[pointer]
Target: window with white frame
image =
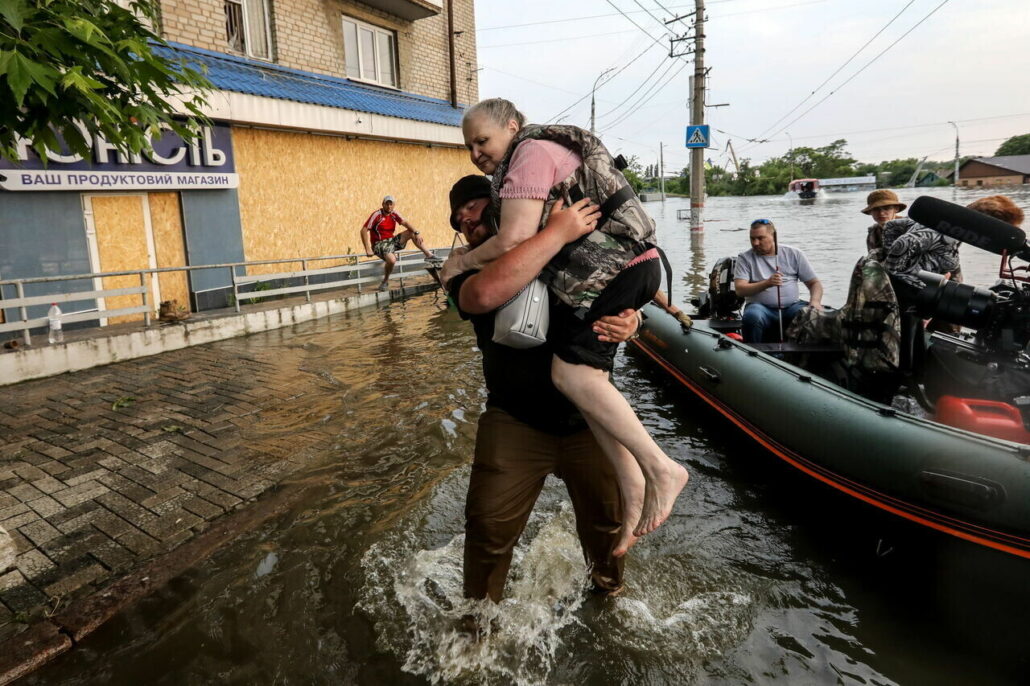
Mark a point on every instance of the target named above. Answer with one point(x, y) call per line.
point(370, 52)
point(246, 28)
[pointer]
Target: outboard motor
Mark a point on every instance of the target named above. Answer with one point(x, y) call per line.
point(720, 301)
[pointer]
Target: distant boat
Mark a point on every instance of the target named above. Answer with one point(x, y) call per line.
point(805, 189)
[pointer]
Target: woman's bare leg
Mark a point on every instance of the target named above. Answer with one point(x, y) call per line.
point(631, 485)
point(593, 394)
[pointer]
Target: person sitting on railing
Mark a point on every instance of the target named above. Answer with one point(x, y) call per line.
point(380, 226)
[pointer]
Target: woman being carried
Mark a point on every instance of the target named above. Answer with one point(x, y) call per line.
point(613, 268)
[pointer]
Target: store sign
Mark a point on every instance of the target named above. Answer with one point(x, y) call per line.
point(172, 164)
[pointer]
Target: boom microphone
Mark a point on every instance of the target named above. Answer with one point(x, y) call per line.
point(969, 226)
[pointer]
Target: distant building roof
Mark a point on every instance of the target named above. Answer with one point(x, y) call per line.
point(848, 180)
point(1017, 163)
point(254, 77)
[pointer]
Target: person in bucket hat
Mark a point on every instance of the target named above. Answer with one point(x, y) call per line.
point(883, 206)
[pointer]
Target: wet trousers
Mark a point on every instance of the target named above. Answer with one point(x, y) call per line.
point(511, 463)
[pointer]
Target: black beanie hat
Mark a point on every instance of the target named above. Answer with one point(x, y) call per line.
point(471, 187)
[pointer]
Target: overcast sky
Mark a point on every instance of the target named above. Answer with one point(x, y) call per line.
point(969, 62)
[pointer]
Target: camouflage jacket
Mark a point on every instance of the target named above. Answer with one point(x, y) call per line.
point(579, 273)
point(870, 321)
point(874, 238)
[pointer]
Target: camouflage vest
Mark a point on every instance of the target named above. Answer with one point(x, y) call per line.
point(579, 273)
point(870, 321)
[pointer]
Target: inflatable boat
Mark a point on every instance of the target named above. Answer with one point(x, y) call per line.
point(959, 482)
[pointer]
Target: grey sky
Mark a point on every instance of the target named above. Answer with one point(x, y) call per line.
point(969, 62)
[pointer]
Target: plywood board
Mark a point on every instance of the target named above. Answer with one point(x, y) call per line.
point(166, 219)
point(303, 195)
point(122, 245)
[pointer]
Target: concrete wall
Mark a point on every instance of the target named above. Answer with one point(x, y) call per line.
point(308, 35)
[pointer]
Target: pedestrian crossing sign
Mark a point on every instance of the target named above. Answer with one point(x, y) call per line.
point(698, 136)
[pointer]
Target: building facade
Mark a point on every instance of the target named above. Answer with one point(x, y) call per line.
point(321, 108)
point(1006, 170)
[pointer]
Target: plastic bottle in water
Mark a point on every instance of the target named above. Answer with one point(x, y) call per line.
point(54, 317)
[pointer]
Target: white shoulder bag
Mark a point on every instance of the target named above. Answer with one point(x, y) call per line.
point(522, 321)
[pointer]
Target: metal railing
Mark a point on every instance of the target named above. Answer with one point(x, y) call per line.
point(409, 262)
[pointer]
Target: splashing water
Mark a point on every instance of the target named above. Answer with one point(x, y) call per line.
point(519, 639)
point(413, 596)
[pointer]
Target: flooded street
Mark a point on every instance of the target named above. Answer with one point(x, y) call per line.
point(759, 576)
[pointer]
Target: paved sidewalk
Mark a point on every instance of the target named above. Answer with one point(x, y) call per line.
point(105, 469)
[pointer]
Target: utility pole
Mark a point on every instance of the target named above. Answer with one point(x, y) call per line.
point(955, 178)
point(733, 156)
point(697, 117)
point(661, 167)
point(790, 153)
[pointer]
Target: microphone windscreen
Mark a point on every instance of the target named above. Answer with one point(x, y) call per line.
point(969, 226)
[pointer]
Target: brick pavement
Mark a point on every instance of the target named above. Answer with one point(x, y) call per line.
point(104, 469)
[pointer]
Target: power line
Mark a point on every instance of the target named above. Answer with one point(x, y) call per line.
point(624, 67)
point(641, 101)
point(631, 109)
point(593, 16)
point(671, 14)
point(630, 19)
point(768, 9)
point(564, 39)
point(644, 81)
point(651, 14)
point(877, 130)
point(838, 70)
point(535, 83)
point(864, 67)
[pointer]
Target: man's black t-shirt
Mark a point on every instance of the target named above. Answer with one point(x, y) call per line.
point(519, 381)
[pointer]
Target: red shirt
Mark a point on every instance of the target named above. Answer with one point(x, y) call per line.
point(382, 226)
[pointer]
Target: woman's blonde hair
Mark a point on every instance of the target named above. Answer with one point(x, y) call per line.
point(499, 110)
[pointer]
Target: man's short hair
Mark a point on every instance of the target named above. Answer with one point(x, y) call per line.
point(764, 223)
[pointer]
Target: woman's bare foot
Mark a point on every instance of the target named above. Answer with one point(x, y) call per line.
point(660, 493)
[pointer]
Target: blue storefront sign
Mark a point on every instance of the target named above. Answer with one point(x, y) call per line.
point(172, 164)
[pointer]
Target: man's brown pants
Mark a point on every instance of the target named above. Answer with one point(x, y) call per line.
point(511, 463)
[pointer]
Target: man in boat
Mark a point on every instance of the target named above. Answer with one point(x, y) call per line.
point(377, 234)
point(529, 429)
point(767, 277)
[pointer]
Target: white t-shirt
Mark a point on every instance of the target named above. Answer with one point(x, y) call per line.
point(793, 264)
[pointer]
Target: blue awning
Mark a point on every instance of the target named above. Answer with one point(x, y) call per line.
point(254, 77)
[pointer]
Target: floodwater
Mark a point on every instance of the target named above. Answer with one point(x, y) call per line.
point(760, 576)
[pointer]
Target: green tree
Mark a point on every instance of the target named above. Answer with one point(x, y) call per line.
point(632, 173)
point(89, 62)
point(1017, 145)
